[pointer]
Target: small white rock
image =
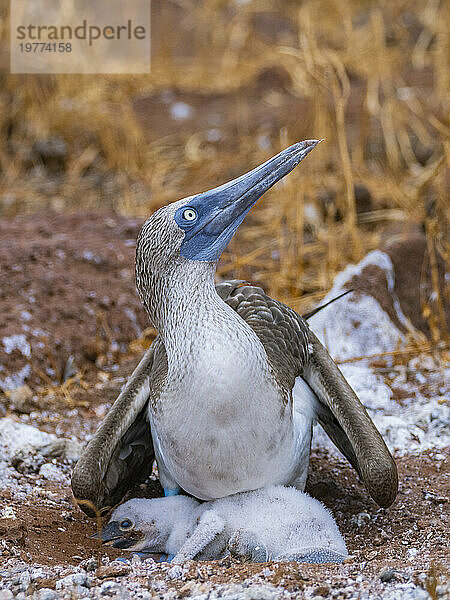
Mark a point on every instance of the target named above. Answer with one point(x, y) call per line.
point(175, 572)
point(361, 519)
point(72, 580)
point(8, 513)
point(181, 111)
point(24, 580)
point(45, 594)
point(52, 473)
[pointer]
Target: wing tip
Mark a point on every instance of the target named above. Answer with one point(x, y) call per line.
point(382, 482)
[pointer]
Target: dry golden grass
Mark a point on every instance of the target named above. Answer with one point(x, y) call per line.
point(373, 81)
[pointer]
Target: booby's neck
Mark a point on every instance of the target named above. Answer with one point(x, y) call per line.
point(201, 333)
point(180, 301)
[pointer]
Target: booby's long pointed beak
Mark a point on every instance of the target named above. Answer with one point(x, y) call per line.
point(215, 215)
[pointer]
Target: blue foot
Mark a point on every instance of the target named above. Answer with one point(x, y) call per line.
point(143, 555)
point(162, 558)
point(174, 492)
point(166, 558)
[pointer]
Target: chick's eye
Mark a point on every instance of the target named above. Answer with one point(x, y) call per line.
point(189, 214)
point(126, 524)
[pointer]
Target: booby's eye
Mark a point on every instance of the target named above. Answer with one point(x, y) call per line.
point(126, 524)
point(189, 214)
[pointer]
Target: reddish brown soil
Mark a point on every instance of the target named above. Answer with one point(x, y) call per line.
point(67, 284)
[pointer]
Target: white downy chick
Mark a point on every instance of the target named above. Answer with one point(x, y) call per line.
point(275, 523)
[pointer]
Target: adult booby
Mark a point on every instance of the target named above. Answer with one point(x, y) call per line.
point(226, 396)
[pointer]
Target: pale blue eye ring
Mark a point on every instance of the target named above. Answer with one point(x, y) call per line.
point(189, 214)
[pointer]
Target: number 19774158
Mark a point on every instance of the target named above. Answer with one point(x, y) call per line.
point(45, 47)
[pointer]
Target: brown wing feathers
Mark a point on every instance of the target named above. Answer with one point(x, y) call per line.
point(294, 350)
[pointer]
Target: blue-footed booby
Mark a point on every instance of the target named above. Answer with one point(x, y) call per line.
point(226, 396)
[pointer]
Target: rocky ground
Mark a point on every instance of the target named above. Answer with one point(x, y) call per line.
point(72, 329)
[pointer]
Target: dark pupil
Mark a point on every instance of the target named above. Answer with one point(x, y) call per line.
point(126, 523)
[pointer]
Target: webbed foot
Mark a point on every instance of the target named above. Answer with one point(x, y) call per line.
point(315, 556)
point(166, 558)
point(244, 546)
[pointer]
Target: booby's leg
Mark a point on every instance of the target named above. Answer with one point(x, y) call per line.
point(166, 558)
point(170, 486)
point(173, 490)
point(245, 546)
point(209, 527)
point(314, 556)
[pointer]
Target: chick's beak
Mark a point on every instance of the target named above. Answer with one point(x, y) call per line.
point(111, 535)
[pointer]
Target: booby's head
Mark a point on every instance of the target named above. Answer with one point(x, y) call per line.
point(200, 227)
point(145, 524)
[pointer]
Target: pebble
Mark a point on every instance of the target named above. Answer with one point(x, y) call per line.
point(75, 579)
point(322, 590)
point(175, 572)
point(90, 564)
point(111, 588)
point(266, 572)
point(24, 581)
point(443, 590)
point(45, 594)
point(6, 595)
point(52, 473)
point(361, 519)
point(256, 593)
point(21, 399)
point(8, 513)
point(180, 111)
point(388, 575)
point(406, 591)
point(78, 591)
point(112, 570)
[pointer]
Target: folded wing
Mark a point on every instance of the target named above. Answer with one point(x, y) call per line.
point(293, 350)
point(120, 454)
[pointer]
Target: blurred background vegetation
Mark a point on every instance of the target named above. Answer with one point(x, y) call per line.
point(232, 83)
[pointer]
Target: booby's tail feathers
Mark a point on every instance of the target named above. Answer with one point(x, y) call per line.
point(314, 311)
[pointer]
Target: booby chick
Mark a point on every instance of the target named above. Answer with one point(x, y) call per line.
point(226, 396)
point(277, 523)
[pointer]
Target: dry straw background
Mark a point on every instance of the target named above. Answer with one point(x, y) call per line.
point(372, 78)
